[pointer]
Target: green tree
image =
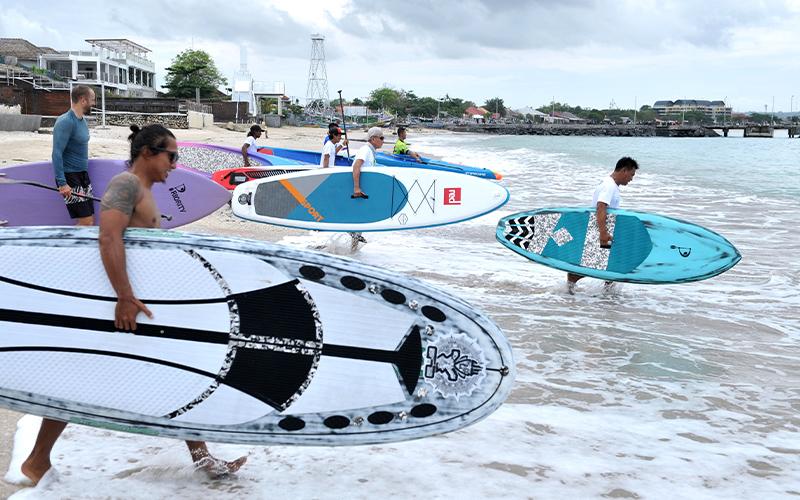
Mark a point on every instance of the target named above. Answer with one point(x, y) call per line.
point(646, 114)
point(193, 69)
point(454, 106)
point(295, 108)
point(358, 102)
point(697, 117)
point(425, 106)
point(385, 98)
point(594, 115)
point(761, 117)
point(495, 105)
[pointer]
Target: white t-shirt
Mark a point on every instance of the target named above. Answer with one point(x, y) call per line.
point(251, 145)
point(328, 149)
point(608, 193)
point(366, 153)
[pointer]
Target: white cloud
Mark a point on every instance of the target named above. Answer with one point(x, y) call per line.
point(582, 51)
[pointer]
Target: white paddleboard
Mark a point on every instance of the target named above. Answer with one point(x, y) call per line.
point(250, 342)
point(399, 198)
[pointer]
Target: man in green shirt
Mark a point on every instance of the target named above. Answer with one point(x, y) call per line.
point(400, 146)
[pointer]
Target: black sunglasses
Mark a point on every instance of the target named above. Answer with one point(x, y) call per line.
point(173, 155)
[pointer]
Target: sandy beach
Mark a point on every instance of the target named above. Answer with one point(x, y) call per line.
point(111, 142)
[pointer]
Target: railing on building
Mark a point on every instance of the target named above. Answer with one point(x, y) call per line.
point(37, 77)
point(139, 60)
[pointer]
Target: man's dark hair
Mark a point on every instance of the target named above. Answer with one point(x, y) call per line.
point(254, 129)
point(401, 129)
point(79, 91)
point(626, 163)
point(333, 125)
point(152, 137)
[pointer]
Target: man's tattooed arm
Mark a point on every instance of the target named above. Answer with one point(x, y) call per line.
point(122, 194)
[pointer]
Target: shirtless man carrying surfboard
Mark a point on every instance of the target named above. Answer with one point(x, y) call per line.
point(128, 202)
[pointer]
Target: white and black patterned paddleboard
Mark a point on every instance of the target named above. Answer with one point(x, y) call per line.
point(249, 343)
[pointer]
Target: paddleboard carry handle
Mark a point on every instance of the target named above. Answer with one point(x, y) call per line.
point(361, 195)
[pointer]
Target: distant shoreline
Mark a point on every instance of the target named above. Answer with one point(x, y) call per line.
point(590, 130)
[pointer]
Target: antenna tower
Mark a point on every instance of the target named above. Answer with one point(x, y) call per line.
point(317, 100)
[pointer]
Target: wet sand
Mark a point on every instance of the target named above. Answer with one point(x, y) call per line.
point(8, 425)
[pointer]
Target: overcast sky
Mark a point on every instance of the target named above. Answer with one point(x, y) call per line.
point(581, 52)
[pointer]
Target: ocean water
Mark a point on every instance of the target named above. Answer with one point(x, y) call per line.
point(671, 391)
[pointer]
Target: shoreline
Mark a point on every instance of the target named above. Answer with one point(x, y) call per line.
point(586, 130)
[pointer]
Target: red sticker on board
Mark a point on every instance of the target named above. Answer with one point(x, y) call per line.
point(452, 196)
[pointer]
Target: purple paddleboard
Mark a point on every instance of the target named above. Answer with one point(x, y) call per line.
point(186, 195)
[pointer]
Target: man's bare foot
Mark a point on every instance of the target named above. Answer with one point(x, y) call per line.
point(572, 279)
point(219, 469)
point(356, 238)
point(35, 471)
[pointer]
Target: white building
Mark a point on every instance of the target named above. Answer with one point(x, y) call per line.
point(245, 89)
point(709, 108)
point(537, 115)
point(118, 64)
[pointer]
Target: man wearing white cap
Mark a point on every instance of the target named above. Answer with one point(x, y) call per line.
point(366, 158)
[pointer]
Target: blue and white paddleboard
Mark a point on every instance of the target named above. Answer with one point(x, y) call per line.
point(250, 342)
point(399, 198)
point(387, 159)
point(393, 160)
point(646, 248)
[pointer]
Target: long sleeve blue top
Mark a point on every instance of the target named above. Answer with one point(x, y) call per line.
point(70, 146)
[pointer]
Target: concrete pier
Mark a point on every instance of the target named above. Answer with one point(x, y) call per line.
point(585, 130)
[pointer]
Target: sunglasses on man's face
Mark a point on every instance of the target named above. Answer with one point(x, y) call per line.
point(173, 155)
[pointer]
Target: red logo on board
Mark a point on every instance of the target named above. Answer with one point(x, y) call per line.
point(452, 196)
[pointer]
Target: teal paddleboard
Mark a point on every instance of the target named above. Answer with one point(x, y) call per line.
point(647, 248)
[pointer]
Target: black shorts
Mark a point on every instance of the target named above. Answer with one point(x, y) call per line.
point(79, 206)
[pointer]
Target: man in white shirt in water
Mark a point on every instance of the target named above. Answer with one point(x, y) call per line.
point(365, 157)
point(607, 195)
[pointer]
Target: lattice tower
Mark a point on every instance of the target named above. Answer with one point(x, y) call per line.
point(317, 99)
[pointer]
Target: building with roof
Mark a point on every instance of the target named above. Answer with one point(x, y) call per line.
point(20, 52)
point(568, 117)
point(117, 64)
point(709, 108)
point(536, 116)
point(475, 113)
